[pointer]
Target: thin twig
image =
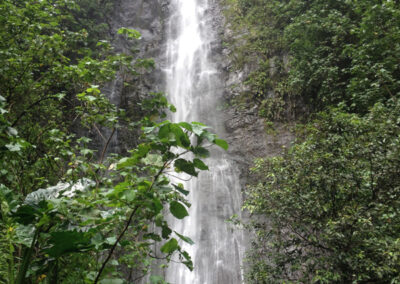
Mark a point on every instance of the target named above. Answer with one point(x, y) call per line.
point(106, 146)
point(29, 107)
point(116, 243)
point(126, 226)
point(98, 130)
point(162, 258)
point(182, 179)
point(137, 278)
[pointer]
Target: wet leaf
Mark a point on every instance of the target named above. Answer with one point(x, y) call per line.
point(178, 210)
point(185, 166)
point(185, 239)
point(221, 143)
point(170, 246)
point(200, 164)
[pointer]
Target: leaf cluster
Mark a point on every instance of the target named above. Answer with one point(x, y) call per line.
point(330, 205)
point(327, 209)
point(72, 211)
point(310, 55)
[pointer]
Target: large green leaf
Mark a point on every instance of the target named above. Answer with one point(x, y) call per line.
point(171, 132)
point(185, 125)
point(201, 152)
point(127, 162)
point(164, 132)
point(200, 164)
point(184, 238)
point(178, 210)
point(67, 242)
point(170, 246)
point(221, 143)
point(185, 166)
point(157, 205)
point(24, 234)
point(181, 137)
point(153, 159)
point(198, 128)
point(26, 214)
point(165, 231)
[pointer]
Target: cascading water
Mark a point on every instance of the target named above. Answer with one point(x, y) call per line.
point(194, 87)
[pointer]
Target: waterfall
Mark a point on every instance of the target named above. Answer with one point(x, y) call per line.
point(194, 86)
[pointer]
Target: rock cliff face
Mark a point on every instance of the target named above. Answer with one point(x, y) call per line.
point(247, 133)
point(244, 130)
point(147, 17)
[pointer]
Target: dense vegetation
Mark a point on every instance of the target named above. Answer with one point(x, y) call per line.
point(332, 203)
point(70, 213)
point(328, 209)
point(315, 54)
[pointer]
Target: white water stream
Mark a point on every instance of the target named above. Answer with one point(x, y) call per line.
point(194, 87)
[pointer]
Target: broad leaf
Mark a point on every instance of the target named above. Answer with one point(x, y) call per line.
point(170, 246)
point(184, 238)
point(68, 241)
point(201, 152)
point(221, 143)
point(185, 166)
point(26, 214)
point(178, 210)
point(165, 231)
point(200, 164)
point(185, 125)
point(180, 188)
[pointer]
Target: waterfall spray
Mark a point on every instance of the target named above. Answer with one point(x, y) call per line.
point(194, 87)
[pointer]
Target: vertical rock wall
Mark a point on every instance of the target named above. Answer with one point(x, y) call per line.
point(246, 132)
point(250, 136)
point(147, 17)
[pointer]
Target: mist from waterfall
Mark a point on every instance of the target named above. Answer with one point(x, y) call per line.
point(194, 86)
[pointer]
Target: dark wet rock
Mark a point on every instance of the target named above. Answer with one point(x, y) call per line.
point(147, 17)
point(246, 132)
point(248, 135)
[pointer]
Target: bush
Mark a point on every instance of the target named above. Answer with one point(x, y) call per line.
point(330, 207)
point(338, 52)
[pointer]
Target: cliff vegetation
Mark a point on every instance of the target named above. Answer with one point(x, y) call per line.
point(71, 212)
point(327, 210)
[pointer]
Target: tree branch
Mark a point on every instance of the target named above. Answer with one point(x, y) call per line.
point(126, 226)
point(31, 106)
point(106, 146)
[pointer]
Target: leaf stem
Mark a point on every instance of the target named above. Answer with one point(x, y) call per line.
point(26, 259)
point(126, 227)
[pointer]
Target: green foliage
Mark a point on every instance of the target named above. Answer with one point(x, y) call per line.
point(129, 33)
point(69, 212)
point(331, 202)
point(346, 52)
point(44, 65)
point(95, 216)
point(316, 54)
point(178, 210)
point(330, 205)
